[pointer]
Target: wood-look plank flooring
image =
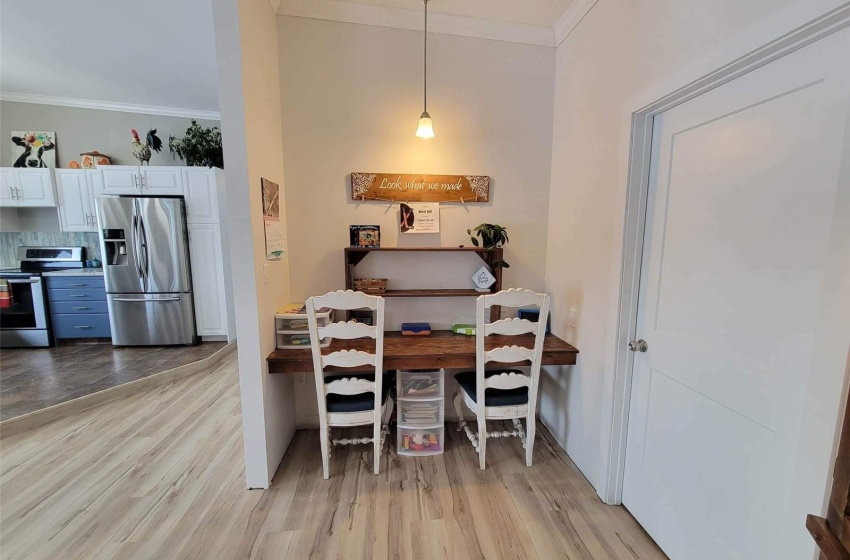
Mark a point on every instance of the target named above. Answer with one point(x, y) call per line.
point(160, 475)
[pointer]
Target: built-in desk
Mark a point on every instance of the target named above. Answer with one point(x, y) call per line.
point(442, 349)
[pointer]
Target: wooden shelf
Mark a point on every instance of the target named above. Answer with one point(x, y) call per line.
point(354, 255)
point(432, 293)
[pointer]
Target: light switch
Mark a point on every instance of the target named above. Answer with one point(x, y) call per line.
point(266, 271)
point(573, 317)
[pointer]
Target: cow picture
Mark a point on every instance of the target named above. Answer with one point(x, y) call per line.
point(33, 149)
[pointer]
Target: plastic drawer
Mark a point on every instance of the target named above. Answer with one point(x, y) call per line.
point(419, 384)
point(414, 413)
point(420, 441)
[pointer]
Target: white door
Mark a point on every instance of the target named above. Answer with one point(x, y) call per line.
point(201, 196)
point(734, 405)
point(162, 181)
point(35, 187)
point(120, 179)
point(207, 279)
point(76, 211)
point(8, 195)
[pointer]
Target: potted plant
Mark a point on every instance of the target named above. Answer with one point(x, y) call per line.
point(492, 236)
point(199, 147)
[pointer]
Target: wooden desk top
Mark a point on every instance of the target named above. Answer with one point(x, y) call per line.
point(441, 349)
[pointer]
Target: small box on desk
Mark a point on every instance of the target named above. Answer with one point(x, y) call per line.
point(533, 315)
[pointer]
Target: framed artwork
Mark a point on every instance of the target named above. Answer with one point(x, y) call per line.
point(33, 149)
point(365, 236)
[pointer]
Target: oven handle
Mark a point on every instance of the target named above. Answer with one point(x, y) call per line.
point(21, 281)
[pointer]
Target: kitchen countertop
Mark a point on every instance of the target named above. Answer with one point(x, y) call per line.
point(75, 272)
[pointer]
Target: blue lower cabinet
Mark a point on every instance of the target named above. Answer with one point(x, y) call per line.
point(78, 307)
point(81, 326)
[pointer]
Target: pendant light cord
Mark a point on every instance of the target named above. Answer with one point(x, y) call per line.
point(425, 64)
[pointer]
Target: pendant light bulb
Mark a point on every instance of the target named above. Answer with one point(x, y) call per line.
point(425, 128)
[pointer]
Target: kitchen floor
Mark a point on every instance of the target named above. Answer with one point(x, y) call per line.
point(35, 378)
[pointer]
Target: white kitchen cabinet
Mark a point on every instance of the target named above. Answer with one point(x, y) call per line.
point(7, 197)
point(121, 179)
point(201, 197)
point(162, 181)
point(27, 187)
point(77, 189)
point(207, 279)
point(148, 180)
point(209, 253)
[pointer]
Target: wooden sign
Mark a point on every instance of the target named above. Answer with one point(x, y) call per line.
point(420, 188)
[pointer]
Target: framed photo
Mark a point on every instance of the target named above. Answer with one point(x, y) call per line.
point(365, 236)
point(33, 149)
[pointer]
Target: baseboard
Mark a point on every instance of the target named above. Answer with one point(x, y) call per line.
point(14, 426)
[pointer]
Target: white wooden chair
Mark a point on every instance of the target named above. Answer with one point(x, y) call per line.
point(503, 394)
point(355, 399)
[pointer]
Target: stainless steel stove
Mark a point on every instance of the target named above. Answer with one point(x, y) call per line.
point(24, 318)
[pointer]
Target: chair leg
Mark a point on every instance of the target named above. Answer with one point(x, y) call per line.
point(324, 437)
point(482, 441)
point(376, 444)
point(530, 428)
point(458, 401)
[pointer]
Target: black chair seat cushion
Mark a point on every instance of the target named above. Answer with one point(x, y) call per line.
point(493, 397)
point(360, 401)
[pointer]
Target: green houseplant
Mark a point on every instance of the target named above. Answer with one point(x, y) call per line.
point(199, 147)
point(492, 236)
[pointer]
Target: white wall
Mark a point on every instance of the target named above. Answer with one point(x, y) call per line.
point(625, 53)
point(249, 98)
point(82, 130)
point(352, 96)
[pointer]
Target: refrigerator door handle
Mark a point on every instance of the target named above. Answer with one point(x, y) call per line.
point(171, 298)
point(144, 258)
point(135, 241)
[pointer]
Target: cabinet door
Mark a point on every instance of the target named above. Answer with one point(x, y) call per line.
point(76, 211)
point(35, 187)
point(201, 196)
point(208, 279)
point(162, 181)
point(8, 197)
point(120, 179)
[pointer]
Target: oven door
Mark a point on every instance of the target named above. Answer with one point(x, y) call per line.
point(25, 309)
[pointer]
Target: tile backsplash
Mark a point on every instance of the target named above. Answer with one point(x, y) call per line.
point(11, 240)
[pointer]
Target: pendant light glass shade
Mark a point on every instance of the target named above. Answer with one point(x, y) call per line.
point(425, 129)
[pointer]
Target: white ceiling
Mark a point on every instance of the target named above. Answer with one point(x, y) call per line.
point(530, 12)
point(153, 52)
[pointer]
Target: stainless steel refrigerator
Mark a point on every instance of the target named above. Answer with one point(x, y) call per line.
point(145, 253)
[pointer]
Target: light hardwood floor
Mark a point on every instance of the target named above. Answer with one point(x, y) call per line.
point(160, 475)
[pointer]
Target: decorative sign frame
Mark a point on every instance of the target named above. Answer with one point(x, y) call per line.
point(420, 188)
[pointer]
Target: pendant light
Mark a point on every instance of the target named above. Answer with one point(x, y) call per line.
point(425, 129)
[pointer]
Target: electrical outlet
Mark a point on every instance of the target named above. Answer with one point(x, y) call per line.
point(266, 271)
point(299, 378)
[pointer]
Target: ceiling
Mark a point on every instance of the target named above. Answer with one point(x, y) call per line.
point(154, 53)
point(530, 12)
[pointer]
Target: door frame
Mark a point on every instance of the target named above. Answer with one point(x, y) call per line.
point(624, 323)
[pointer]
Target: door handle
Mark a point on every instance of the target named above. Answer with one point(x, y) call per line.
point(79, 308)
point(77, 285)
point(82, 326)
point(77, 295)
point(638, 345)
point(172, 298)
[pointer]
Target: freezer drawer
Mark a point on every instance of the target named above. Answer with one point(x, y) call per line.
point(151, 319)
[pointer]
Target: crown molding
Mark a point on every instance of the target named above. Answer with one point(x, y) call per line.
point(403, 18)
point(109, 106)
point(571, 18)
